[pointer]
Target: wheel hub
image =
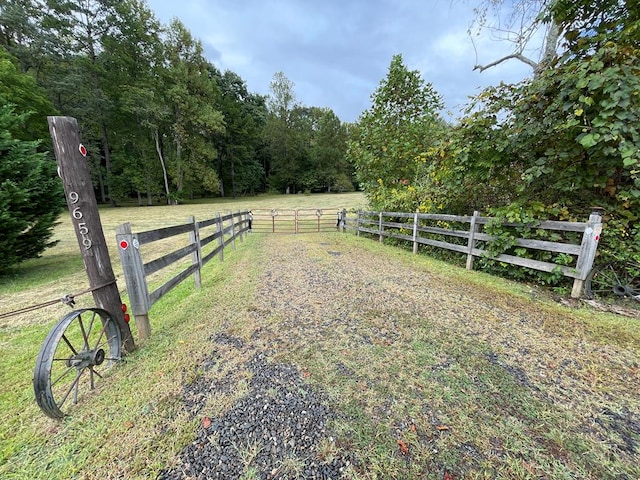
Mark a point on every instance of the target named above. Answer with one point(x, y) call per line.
point(98, 357)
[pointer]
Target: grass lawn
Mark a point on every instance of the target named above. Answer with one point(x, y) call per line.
point(435, 372)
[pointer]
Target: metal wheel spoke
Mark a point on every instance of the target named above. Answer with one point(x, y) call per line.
point(93, 317)
point(85, 338)
point(61, 376)
point(102, 332)
point(73, 385)
point(64, 337)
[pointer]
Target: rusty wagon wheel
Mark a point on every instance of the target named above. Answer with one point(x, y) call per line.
point(76, 352)
point(614, 281)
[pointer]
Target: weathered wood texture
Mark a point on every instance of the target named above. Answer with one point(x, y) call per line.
point(83, 208)
point(224, 228)
point(420, 230)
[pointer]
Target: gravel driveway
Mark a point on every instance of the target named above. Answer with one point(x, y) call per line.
point(321, 302)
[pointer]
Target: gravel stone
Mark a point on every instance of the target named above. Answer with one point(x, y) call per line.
point(281, 418)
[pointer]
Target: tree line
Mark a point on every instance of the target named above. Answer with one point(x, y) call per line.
point(161, 121)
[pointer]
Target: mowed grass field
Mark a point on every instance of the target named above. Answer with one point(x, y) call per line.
point(435, 372)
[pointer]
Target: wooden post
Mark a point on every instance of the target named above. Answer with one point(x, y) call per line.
point(587, 253)
point(358, 223)
point(196, 256)
point(380, 227)
point(133, 269)
point(76, 180)
point(233, 230)
point(220, 237)
point(471, 244)
point(415, 233)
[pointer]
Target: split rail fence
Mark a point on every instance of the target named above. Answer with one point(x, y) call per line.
point(444, 231)
point(221, 231)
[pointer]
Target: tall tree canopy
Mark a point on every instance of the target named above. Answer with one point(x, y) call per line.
point(390, 137)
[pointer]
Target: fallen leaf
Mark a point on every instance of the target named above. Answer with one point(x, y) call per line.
point(442, 428)
point(529, 468)
point(413, 428)
point(404, 448)
point(128, 424)
point(206, 422)
point(448, 476)
point(306, 373)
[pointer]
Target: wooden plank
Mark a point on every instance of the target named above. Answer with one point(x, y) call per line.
point(446, 245)
point(168, 259)
point(211, 254)
point(529, 263)
point(207, 223)
point(408, 226)
point(159, 292)
point(445, 218)
point(557, 247)
point(545, 225)
point(445, 231)
point(209, 239)
point(160, 233)
point(397, 214)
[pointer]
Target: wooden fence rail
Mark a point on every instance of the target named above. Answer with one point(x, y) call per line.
point(222, 229)
point(435, 230)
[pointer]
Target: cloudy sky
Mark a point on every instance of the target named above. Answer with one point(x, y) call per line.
point(336, 52)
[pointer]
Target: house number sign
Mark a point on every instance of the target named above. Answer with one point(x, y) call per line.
point(77, 214)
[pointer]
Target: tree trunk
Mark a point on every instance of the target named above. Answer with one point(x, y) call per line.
point(156, 138)
point(550, 47)
point(233, 178)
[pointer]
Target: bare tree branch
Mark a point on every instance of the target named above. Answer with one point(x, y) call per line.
point(517, 56)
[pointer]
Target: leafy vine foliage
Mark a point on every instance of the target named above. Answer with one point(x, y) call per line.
point(550, 147)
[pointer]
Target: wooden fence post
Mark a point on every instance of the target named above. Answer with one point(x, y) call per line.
point(133, 268)
point(220, 226)
point(233, 230)
point(415, 233)
point(78, 187)
point(471, 244)
point(380, 227)
point(587, 253)
point(358, 223)
point(196, 256)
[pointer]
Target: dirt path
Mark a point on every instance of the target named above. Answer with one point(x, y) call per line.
point(432, 374)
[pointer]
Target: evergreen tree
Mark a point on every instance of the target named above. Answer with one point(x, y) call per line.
point(30, 194)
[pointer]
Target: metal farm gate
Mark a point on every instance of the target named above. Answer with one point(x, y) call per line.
point(303, 220)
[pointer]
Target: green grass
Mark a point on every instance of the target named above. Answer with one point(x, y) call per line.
point(445, 381)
